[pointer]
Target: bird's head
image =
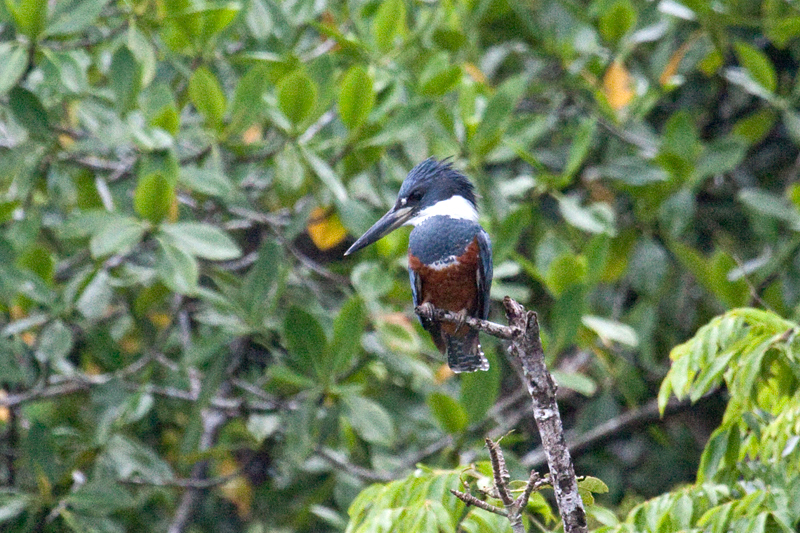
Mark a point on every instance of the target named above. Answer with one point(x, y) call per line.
point(432, 188)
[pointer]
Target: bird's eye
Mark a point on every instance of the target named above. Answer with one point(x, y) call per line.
point(415, 197)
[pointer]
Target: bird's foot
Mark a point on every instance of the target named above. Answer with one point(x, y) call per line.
point(426, 310)
point(462, 319)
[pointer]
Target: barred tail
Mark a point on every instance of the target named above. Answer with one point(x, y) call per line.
point(464, 353)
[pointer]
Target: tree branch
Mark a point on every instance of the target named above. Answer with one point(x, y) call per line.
point(523, 332)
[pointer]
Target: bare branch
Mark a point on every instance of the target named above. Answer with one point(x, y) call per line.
point(469, 499)
point(526, 344)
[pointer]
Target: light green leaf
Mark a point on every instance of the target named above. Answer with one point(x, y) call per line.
point(202, 240)
point(356, 97)
point(153, 197)
point(117, 235)
point(177, 268)
point(597, 218)
point(74, 17)
point(55, 342)
point(13, 503)
point(13, 61)
point(262, 426)
point(448, 412)
point(30, 16)
point(758, 65)
point(369, 420)
point(611, 330)
point(389, 24)
point(96, 297)
point(297, 96)
point(207, 96)
point(617, 21)
point(576, 381)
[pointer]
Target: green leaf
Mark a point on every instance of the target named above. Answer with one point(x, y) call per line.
point(96, 297)
point(153, 197)
point(125, 77)
point(356, 97)
point(593, 484)
point(611, 330)
point(617, 21)
point(389, 24)
point(13, 504)
point(29, 112)
point(207, 96)
point(369, 420)
point(13, 62)
point(597, 218)
point(30, 16)
point(297, 96)
point(248, 99)
point(54, 343)
point(176, 268)
point(439, 76)
point(259, 289)
point(325, 173)
point(261, 426)
point(565, 271)
point(580, 383)
point(771, 206)
point(448, 412)
point(348, 327)
point(581, 144)
point(479, 390)
point(305, 339)
point(202, 240)
point(100, 497)
point(117, 235)
point(758, 65)
point(74, 17)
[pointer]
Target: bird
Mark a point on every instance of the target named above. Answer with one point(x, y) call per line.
point(449, 255)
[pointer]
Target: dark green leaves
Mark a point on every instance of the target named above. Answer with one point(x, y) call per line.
point(126, 78)
point(29, 112)
point(305, 338)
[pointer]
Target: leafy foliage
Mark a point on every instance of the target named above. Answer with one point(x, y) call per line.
point(179, 179)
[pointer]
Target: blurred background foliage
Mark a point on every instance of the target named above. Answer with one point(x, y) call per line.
point(184, 348)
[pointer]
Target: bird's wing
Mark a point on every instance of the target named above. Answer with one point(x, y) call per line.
point(484, 273)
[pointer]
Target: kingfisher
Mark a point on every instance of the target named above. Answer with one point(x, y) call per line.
point(449, 255)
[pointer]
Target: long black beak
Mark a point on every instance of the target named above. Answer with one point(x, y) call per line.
point(392, 220)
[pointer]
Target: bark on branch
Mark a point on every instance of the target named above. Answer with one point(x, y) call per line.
point(523, 332)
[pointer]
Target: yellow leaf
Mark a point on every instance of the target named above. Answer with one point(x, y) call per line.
point(325, 229)
point(617, 86)
point(252, 134)
point(174, 211)
point(5, 413)
point(674, 62)
point(238, 490)
point(474, 72)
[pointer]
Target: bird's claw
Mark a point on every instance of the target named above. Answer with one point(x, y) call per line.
point(462, 319)
point(426, 310)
